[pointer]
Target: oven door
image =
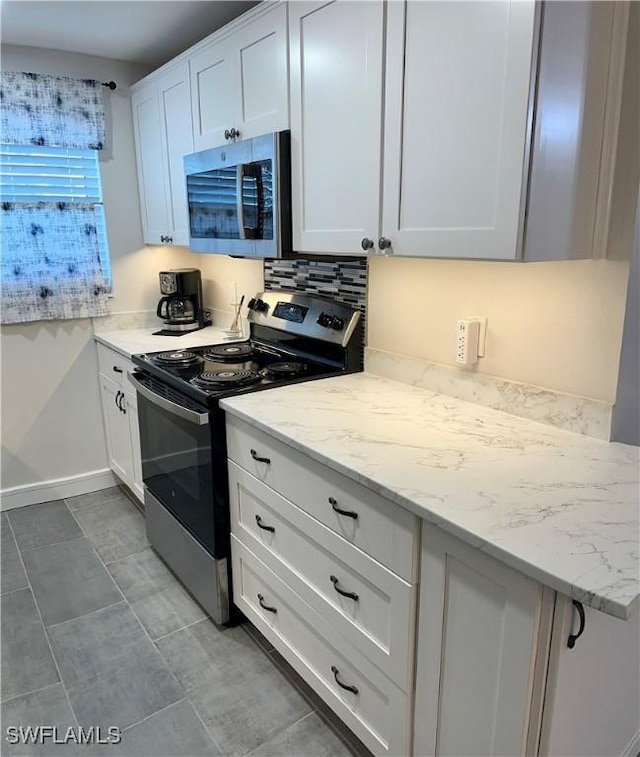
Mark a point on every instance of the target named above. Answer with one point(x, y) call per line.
point(177, 461)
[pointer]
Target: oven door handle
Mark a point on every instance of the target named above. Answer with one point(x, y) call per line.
point(200, 419)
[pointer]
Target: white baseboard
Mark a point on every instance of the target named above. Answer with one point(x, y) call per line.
point(58, 488)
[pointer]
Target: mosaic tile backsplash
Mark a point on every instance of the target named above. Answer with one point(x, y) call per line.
point(342, 281)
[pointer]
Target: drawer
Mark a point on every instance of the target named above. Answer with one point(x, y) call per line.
point(379, 713)
point(114, 365)
point(383, 530)
point(378, 617)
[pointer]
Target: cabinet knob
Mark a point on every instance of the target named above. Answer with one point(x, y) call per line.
point(366, 243)
point(384, 243)
point(235, 133)
point(166, 239)
point(227, 134)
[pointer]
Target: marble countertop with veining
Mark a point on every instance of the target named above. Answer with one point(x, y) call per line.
point(559, 507)
point(130, 342)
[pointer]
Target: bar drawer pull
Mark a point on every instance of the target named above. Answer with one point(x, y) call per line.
point(350, 594)
point(348, 513)
point(116, 369)
point(263, 527)
point(266, 607)
point(336, 672)
point(573, 637)
point(259, 459)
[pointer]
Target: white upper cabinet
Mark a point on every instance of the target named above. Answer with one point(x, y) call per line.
point(239, 84)
point(336, 54)
point(163, 135)
point(447, 179)
point(457, 97)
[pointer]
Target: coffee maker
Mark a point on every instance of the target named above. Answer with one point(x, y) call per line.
point(180, 307)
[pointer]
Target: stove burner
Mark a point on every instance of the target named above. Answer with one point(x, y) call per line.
point(225, 379)
point(180, 358)
point(231, 352)
point(287, 368)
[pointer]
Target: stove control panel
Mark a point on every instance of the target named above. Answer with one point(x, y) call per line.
point(304, 314)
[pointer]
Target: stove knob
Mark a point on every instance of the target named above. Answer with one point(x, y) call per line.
point(256, 303)
point(337, 323)
point(324, 319)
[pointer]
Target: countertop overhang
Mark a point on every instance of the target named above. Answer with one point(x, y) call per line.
point(557, 506)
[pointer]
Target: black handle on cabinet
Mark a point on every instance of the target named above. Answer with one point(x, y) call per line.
point(117, 399)
point(116, 369)
point(227, 134)
point(263, 527)
point(348, 513)
point(266, 607)
point(350, 594)
point(335, 671)
point(573, 637)
point(121, 404)
point(259, 459)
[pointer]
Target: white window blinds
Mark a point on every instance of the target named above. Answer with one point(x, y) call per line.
point(31, 174)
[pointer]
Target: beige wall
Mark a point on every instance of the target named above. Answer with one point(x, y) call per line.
point(554, 325)
point(52, 423)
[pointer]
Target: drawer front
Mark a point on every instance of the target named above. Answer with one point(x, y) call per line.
point(379, 713)
point(376, 610)
point(383, 530)
point(114, 365)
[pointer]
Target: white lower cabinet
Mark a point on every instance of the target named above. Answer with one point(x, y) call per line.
point(321, 587)
point(120, 412)
point(422, 645)
point(495, 674)
point(477, 639)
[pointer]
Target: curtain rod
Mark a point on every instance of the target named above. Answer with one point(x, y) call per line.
point(111, 84)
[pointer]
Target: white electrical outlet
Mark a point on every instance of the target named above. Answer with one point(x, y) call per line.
point(467, 335)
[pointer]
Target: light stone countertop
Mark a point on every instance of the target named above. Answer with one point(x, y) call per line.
point(557, 506)
point(133, 341)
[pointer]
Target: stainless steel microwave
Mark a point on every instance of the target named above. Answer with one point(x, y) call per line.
point(239, 197)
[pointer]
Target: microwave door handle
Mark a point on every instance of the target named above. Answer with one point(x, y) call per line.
point(240, 199)
point(200, 419)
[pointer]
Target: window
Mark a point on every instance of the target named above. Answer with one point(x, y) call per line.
point(55, 174)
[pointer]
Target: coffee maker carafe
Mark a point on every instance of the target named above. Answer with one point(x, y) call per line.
point(180, 307)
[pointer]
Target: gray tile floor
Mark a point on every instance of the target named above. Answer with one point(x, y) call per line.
point(96, 631)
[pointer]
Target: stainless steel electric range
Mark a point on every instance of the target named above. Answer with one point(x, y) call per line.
point(293, 337)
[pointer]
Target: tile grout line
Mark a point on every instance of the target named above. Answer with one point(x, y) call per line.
point(188, 698)
point(182, 628)
point(86, 614)
point(13, 591)
point(44, 628)
point(158, 652)
point(291, 725)
point(32, 691)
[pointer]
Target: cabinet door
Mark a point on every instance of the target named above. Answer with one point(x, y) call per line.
point(592, 703)
point(214, 93)
point(152, 179)
point(456, 116)
point(130, 404)
point(174, 98)
point(117, 429)
point(336, 104)
point(477, 635)
point(262, 58)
